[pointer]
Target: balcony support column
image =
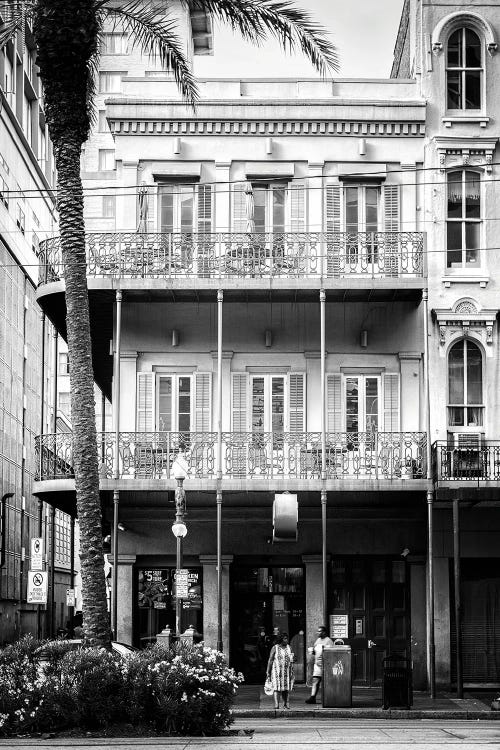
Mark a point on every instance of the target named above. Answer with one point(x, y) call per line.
point(116, 458)
point(458, 600)
point(431, 647)
point(40, 459)
point(322, 301)
point(55, 356)
point(220, 298)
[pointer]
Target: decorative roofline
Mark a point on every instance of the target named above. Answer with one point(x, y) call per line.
point(263, 128)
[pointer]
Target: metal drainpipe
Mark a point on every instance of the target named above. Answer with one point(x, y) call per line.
point(431, 647)
point(116, 459)
point(220, 643)
point(322, 299)
point(52, 598)
point(54, 382)
point(458, 600)
point(71, 610)
point(40, 460)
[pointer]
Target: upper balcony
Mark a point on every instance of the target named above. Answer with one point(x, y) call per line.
point(355, 264)
point(469, 470)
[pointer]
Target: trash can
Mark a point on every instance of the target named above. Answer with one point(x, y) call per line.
point(397, 687)
point(337, 675)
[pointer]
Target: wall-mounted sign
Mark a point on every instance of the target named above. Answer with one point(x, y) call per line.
point(37, 553)
point(339, 626)
point(37, 587)
point(70, 597)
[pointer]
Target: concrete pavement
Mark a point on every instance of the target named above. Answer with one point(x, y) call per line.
point(283, 734)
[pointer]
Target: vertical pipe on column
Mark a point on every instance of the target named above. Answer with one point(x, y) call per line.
point(220, 297)
point(116, 458)
point(322, 300)
point(54, 382)
point(40, 460)
point(71, 611)
point(431, 648)
point(458, 600)
point(52, 598)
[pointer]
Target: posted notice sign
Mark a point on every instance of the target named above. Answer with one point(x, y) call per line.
point(37, 587)
point(182, 583)
point(37, 553)
point(70, 597)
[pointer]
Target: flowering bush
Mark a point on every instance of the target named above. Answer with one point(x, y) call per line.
point(188, 690)
point(182, 690)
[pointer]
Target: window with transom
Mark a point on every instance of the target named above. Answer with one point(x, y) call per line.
point(465, 385)
point(463, 219)
point(464, 70)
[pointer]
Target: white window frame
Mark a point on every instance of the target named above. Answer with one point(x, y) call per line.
point(109, 206)
point(104, 158)
point(362, 378)
point(268, 379)
point(465, 428)
point(464, 221)
point(114, 35)
point(175, 378)
point(463, 70)
point(110, 81)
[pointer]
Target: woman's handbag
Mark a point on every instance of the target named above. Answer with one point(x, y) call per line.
point(268, 687)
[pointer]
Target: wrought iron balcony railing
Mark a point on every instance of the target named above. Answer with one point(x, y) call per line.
point(477, 462)
point(245, 455)
point(244, 254)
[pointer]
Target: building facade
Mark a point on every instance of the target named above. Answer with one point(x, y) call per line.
point(288, 282)
point(28, 348)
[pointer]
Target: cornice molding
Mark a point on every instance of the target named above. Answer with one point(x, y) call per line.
point(240, 127)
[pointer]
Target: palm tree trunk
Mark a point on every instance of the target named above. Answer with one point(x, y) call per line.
point(72, 232)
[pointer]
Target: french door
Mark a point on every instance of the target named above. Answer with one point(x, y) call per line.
point(361, 223)
point(362, 403)
point(174, 399)
point(269, 207)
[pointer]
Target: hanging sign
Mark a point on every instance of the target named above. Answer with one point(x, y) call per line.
point(37, 553)
point(285, 517)
point(37, 587)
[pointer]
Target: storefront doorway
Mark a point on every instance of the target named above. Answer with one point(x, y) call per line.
point(371, 598)
point(265, 600)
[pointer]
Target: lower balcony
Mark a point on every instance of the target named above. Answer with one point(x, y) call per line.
point(248, 456)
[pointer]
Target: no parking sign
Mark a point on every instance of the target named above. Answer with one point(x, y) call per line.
point(37, 587)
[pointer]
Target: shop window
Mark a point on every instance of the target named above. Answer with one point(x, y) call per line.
point(463, 223)
point(465, 385)
point(464, 70)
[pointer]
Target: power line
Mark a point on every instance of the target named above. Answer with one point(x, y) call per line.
point(23, 192)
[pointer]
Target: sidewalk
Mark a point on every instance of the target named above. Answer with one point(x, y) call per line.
point(251, 702)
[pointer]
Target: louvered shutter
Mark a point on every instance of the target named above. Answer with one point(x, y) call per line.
point(239, 208)
point(145, 402)
point(204, 209)
point(391, 228)
point(202, 401)
point(333, 225)
point(239, 402)
point(391, 402)
point(297, 206)
point(334, 402)
point(296, 402)
point(151, 222)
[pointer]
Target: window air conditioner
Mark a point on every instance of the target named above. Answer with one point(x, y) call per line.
point(466, 454)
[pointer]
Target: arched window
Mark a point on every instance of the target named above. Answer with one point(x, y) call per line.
point(465, 385)
point(463, 219)
point(464, 70)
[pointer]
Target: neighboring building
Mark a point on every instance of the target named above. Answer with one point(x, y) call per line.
point(309, 217)
point(27, 216)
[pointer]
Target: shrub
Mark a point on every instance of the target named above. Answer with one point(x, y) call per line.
point(19, 686)
point(192, 690)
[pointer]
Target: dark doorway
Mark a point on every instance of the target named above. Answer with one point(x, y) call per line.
point(374, 594)
point(265, 600)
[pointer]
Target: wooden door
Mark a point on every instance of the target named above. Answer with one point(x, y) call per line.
point(373, 592)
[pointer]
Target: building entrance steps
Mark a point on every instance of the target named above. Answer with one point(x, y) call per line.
point(251, 702)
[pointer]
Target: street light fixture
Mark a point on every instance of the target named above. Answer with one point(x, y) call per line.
point(179, 528)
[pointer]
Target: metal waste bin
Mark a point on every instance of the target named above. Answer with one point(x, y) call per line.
point(337, 675)
point(397, 685)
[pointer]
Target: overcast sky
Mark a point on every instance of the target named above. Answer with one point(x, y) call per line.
point(364, 32)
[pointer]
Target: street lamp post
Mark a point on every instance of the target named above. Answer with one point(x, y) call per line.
point(179, 528)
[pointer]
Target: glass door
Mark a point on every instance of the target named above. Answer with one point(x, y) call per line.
point(361, 224)
point(268, 410)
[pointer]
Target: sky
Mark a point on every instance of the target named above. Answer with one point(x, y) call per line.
point(364, 32)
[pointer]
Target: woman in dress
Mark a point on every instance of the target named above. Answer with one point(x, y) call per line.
point(280, 670)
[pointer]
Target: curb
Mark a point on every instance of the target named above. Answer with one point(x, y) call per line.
point(356, 713)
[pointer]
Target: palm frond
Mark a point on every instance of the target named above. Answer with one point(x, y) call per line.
point(13, 14)
point(156, 34)
point(292, 27)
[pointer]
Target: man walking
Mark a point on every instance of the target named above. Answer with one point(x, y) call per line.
point(322, 641)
